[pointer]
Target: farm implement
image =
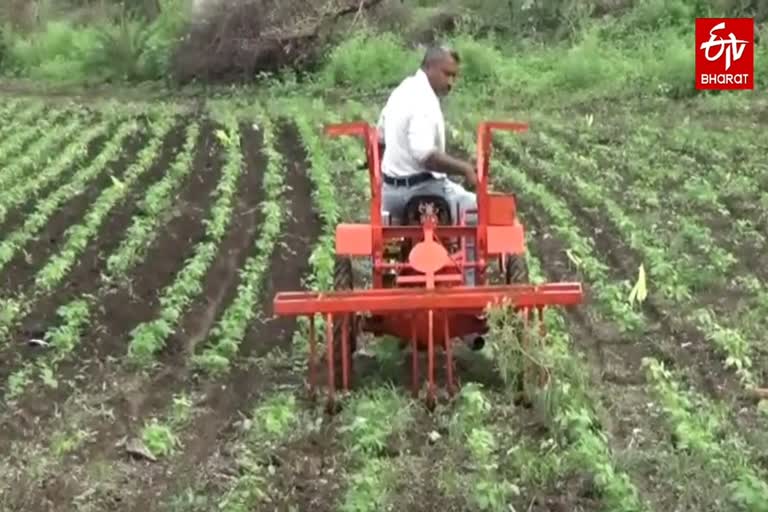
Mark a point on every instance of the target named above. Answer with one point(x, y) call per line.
point(430, 273)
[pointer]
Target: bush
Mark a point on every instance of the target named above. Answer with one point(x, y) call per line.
point(636, 46)
point(481, 61)
point(372, 61)
point(664, 63)
point(369, 61)
point(761, 66)
point(237, 40)
point(165, 33)
point(61, 52)
point(127, 48)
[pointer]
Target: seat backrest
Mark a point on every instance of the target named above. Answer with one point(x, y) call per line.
point(412, 212)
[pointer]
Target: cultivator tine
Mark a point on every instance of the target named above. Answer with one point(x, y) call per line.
point(329, 349)
point(526, 314)
point(312, 356)
point(431, 359)
point(414, 361)
point(448, 357)
point(345, 362)
point(543, 374)
point(450, 304)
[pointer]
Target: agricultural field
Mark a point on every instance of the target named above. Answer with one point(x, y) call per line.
point(141, 368)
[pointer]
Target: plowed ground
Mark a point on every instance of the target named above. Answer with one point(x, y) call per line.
point(253, 441)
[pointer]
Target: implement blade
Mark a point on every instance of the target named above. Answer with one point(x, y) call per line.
point(410, 299)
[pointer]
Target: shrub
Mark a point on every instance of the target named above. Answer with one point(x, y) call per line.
point(60, 52)
point(165, 33)
point(481, 60)
point(237, 40)
point(369, 61)
point(665, 64)
point(126, 48)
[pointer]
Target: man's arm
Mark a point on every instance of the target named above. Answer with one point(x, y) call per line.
point(380, 129)
point(421, 135)
point(440, 161)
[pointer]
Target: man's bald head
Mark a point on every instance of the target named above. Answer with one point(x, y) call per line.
point(437, 54)
point(441, 65)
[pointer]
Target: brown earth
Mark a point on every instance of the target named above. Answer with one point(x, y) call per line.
point(84, 278)
point(614, 359)
point(119, 310)
point(122, 308)
point(18, 276)
point(133, 399)
point(244, 385)
point(207, 459)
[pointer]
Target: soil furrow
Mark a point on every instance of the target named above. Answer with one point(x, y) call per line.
point(750, 259)
point(670, 339)
point(221, 282)
point(21, 270)
point(218, 287)
point(226, 401)
point(85, 275)
point(29, 140)
point(613, 365)
point(19, 275)
point(120, 310)
point(17, 216)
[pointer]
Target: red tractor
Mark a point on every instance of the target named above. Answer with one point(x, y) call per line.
point(430, 281)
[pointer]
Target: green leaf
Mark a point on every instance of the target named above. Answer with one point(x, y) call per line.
point(639, 291)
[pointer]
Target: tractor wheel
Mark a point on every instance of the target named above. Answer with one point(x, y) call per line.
point(343, 279)
point(516, 271)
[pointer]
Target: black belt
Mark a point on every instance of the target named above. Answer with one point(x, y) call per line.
point(409, 181)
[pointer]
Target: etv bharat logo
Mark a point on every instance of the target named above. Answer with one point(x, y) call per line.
point(725, 53)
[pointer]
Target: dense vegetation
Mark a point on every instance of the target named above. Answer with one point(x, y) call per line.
point(532, 48)
point(144, 236)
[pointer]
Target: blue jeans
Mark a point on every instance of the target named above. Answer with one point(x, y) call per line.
point(394, 198)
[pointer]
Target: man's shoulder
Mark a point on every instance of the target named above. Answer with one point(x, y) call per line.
point(410, 99)
point(401, 91)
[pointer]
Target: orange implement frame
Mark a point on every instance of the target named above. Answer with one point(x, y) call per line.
point(430, 297)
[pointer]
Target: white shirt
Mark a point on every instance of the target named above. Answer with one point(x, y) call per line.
point(411, 125)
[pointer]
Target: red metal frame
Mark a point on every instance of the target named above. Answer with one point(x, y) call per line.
point(430, 298)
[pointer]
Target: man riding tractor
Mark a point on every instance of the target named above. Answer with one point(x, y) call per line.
point(412, 140)
point(415, 165)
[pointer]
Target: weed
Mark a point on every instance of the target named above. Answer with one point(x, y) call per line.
point(159, 438)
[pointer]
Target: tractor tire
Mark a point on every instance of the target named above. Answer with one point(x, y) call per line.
point(343, 279)
point(516, 271)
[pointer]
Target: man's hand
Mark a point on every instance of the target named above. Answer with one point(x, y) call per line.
point(471, 175)
point(441, 162)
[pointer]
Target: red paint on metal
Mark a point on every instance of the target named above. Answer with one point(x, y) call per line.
point(387, 300)
point(429, 303)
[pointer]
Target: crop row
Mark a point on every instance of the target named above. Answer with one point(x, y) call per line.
point(591, 194)
point(573, 415)
point(75, 315)
point(22, 129)
point(148, 338)
point(227, 335)
point(677, 282)
point(222, 343)
point(35, 157)
point(74, 154)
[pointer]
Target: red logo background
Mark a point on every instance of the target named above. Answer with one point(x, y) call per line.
point(731, 46)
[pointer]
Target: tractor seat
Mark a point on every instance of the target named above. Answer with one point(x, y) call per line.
point(412, 211)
